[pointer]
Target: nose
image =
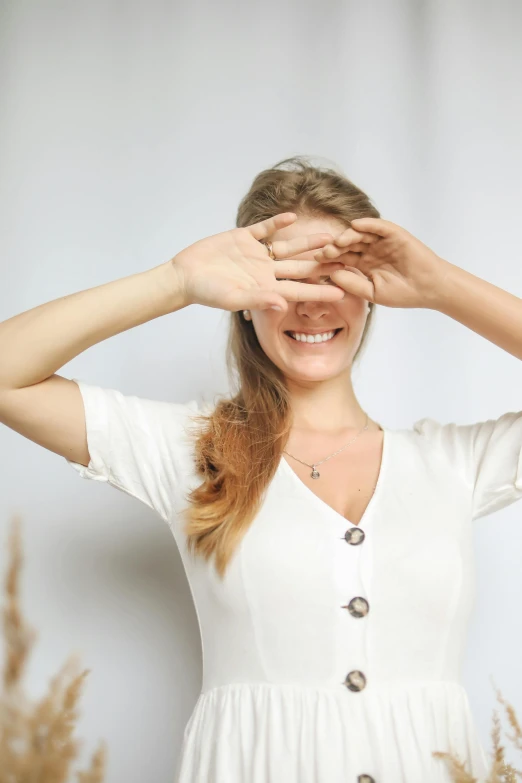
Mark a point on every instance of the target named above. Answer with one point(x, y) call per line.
point(314, 309)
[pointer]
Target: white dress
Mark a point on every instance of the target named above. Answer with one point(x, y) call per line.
point(302, 683)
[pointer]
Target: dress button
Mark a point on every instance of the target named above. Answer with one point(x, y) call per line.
point(354, 536)
point(355, 680)
point(365, 779)
point(358, 606)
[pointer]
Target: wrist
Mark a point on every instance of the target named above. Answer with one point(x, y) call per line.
point(439, 293)
point(171, 285)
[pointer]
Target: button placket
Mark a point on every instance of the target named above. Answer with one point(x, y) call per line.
point(358, 607)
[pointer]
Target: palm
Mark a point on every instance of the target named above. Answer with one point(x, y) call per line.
point(228, 265)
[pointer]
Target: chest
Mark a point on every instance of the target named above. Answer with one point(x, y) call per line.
point(347, 481)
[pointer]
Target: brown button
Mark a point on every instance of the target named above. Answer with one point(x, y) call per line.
point(365, 779)
point(358, 606)
point(355, 680)
point(354, 536)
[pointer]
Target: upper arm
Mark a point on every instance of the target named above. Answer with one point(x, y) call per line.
point(138, 445)
point(50, 413)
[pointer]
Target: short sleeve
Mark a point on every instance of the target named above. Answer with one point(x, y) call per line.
point(137, 445)
point(487, 454)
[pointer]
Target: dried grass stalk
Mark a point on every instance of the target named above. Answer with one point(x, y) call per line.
point(500, 771)
point(37, 743)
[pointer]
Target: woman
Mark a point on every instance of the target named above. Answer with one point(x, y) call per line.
point(330, 559)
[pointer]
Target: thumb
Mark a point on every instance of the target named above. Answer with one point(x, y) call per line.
point(353, 282)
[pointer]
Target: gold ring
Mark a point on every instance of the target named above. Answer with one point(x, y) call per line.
point(268, 245)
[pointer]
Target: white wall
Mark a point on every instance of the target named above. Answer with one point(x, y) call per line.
point(130, 130)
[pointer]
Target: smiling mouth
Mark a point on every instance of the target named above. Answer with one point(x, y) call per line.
point(314, 343)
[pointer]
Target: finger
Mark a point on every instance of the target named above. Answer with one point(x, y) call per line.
point(351, 236)
point(283, 248)
point(308, 292)
point(265, 228)
point(354, 283)
point(257, 300)
point(298, 269)
point(358, 248)
point(383, 228)
point(331, 252)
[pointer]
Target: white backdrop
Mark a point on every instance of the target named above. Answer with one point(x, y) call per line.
point(128, 131)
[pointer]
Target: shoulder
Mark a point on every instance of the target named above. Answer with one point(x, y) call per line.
point(112, 409)
point(432, 435)
point(438, 447)
point(467, 447)
point(167, 417)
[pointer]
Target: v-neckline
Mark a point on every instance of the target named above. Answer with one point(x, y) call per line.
point(324, 505)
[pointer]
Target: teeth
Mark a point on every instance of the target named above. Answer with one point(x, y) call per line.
point(312, 338)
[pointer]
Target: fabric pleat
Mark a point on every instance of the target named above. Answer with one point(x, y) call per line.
point(264, 732)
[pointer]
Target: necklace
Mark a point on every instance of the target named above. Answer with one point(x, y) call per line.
point(315, 473)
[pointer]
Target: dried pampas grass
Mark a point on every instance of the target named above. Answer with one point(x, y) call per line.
point(500, 771)
point(37, 743)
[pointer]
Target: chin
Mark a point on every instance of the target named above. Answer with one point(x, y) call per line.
point(310, 375)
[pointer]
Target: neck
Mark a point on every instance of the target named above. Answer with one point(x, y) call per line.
point(326, 407)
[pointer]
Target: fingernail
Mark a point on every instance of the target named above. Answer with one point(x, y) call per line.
point(276, 307)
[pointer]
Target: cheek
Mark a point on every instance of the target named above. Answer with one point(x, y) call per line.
point(352, 309)
point(266, 325)
point(268, 322)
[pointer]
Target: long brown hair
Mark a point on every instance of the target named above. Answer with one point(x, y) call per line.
point(239, 444)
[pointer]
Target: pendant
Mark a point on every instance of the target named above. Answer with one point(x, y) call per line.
point(315, 473)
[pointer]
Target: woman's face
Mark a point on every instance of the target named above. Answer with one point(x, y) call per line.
point(304, 361)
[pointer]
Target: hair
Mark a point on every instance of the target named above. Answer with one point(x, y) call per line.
point(240, 443)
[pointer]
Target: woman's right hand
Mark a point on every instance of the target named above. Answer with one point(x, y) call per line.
point(233, 270)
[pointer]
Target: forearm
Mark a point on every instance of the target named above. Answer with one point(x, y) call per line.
point(37, 342)
point(481, 306)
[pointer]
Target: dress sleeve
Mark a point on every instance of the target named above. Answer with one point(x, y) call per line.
point(137, 445)
point(488, 454)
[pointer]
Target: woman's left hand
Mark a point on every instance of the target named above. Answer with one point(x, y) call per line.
point(389, 266)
